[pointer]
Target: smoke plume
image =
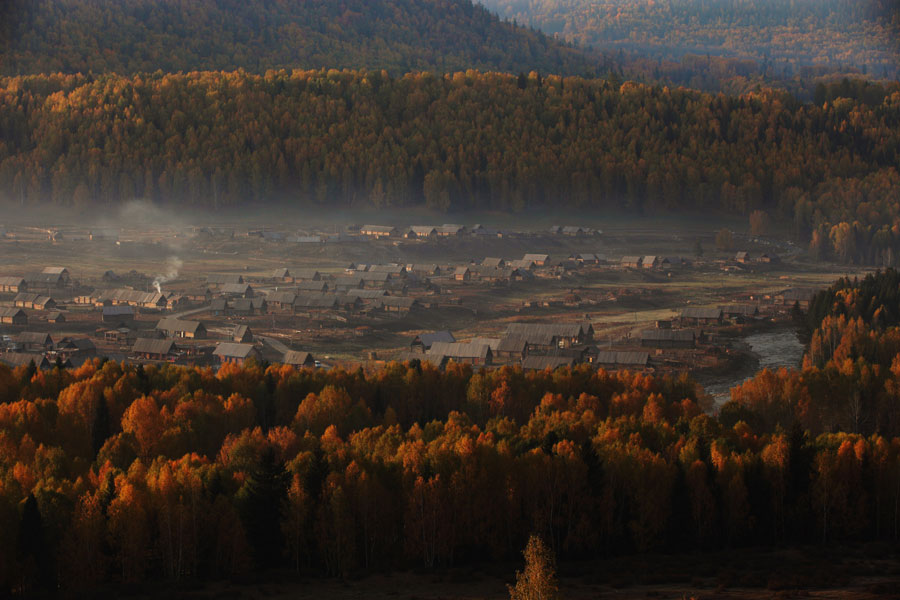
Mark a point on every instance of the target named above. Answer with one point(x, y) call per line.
point(172, 266)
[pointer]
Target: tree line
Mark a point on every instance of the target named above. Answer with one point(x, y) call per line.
point(466, 140)
point(113, 474)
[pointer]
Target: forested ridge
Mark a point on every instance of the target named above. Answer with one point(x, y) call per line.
point(466, 140)
point(784, 37)
point(851, 371)
point(128, 474)
point(100, 36)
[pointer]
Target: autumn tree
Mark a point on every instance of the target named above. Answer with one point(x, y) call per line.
point(724, 240)
point(760, 223)
point(538, 580)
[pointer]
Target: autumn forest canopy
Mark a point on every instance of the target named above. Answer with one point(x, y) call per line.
point(465, 140)
point(124, 474)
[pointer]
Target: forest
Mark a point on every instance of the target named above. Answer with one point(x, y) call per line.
point(782, 38)
point(118, 474)
point(460, 141)
point(50, 36)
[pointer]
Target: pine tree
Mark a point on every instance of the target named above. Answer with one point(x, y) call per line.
point(100, 427)
point(262, 501)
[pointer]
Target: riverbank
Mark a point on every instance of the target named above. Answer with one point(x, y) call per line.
point(769, 346)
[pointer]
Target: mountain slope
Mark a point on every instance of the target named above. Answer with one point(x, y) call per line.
point(785, 36)
point(127, 36)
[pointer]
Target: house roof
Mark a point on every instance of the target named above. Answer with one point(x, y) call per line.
point(297, 358)
point(33, 337)
point(236, 288)
point(462, 350)
point(306, 274)
point(668, 335)
point(537, 257)
point(629, 260)
point(118, 311)
point(423, 229)
point(171, 324)
point(378, 228)
point(393, 269)
point(282, 297)
point(11, 281)
point(11, 312)
point(539, 363)
point(543, 333)
point(699, 312)
point(153, 346)
point(233, 350)
point(512, 343)
point(17, 359)
point(492, 262)
point(428, 339)
point(623, 358)
point(365, 294)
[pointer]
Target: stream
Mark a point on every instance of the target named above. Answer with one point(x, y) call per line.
point(775, 349)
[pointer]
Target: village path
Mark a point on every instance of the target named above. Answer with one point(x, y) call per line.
point(188, 313)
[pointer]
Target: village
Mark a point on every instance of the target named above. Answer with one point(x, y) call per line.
point(310, 301)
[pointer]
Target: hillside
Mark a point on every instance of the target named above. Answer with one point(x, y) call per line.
point(785, 38)
point(81, 36)
point(462, 141)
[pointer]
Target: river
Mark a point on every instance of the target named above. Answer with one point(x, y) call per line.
point(775, 349)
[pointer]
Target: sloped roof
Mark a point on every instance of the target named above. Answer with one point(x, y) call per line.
point(33, 337)
point(668, 335)
point(623, 358)
point(428, 339)
point(153, 346)
point(233, 350)
point(699, 312)
point(463, 350)
point(297, 358)
point(539, 363)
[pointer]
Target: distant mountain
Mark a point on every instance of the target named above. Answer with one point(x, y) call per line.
point(128, 36)
point(786, 37)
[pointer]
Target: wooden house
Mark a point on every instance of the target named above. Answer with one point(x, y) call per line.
point(378, 231)
point(461, 352)
point(13, 285)
point(32, 341)
point(13, 316)
point(154, 349)
point(241, 334)
point(696, 315)
point(462, 274)
point(176, 328)
point(230, 352)
point(299, 359)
